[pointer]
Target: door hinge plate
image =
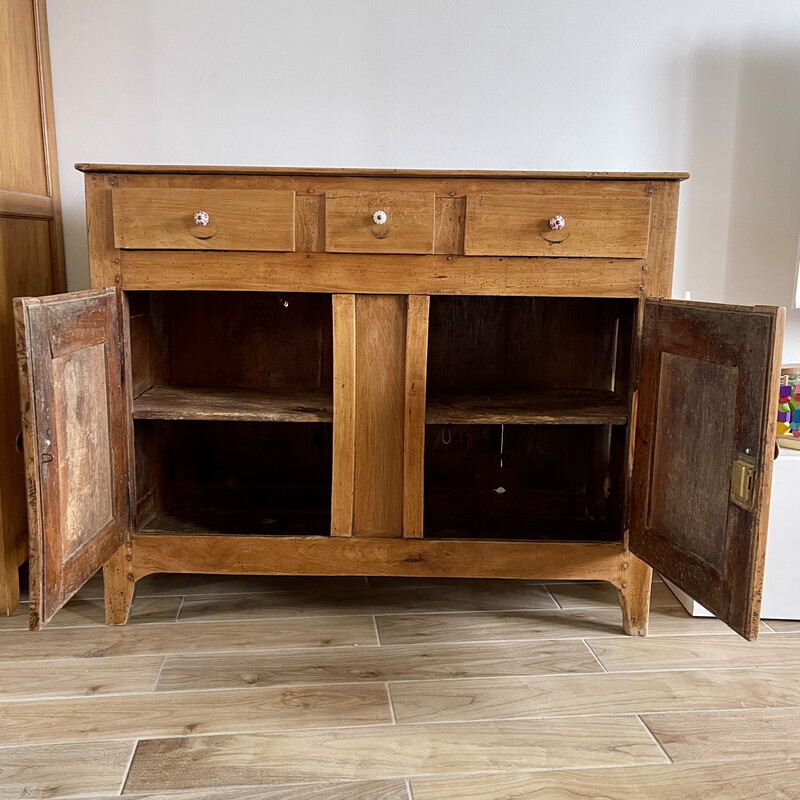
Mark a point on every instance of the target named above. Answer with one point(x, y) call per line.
point(743, 477)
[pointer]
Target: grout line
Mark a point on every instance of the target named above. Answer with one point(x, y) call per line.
point(553, 597)
point(391, 702)
point(127, 772)
point(158, 674)
point(377, 632)
point(408, 789)
point(655, 738)
point(180, 608)
point(594, 655)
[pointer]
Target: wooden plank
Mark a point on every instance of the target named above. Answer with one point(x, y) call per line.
point(203, 637)
point(523, 625)
point(661, 245)
point(32, 680)
point(341, 790)
point(511, 225)
point(64, 770)
point(344, 414)
point(385, 663)
point(380, 340)
point(288, 555)
point(392, 751)
point(354, 272)
point(675, 652)
point(310, 601)
point(170, 402)
point(408, 223)
point(183, 169)
point(727, 735)
point(240, 219)
point(767, 779)
point(17, 204)
point(562, 406)
point(567, 695)
point(104, 259)
point(414, 425)
point(193, 713)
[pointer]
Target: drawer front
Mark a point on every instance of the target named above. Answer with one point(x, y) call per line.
point(227, 219)
point(515, 225)
point(379, 222)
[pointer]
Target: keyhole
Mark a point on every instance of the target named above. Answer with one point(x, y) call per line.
point(18, 442)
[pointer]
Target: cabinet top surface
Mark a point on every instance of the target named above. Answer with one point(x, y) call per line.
point(377, 173)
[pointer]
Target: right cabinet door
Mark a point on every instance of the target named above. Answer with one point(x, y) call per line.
point(705, 439)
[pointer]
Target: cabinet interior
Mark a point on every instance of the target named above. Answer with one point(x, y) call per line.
point(527, 411)
point(232, 411)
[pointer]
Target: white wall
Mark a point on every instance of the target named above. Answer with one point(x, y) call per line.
point(708, 86)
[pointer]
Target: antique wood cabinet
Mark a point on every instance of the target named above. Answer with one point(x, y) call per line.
point(351, 372)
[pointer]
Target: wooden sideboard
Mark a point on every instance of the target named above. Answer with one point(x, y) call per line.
point(346, 372)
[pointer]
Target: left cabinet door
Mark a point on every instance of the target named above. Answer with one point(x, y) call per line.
point(74, 417)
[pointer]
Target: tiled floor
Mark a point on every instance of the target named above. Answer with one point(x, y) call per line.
point(390, 689)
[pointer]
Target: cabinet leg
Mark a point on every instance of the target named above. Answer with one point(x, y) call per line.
point(118, 586)
point(9, 581)
point(634, 595)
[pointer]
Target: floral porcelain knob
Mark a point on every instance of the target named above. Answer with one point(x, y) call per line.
point(557, 222)
point(379, 217)
point(201, 218)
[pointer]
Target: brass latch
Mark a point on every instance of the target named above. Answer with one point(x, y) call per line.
point(742, 479)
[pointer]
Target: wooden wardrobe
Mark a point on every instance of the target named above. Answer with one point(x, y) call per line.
point(359, 372)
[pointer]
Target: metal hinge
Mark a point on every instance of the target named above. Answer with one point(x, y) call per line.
point(743, 476)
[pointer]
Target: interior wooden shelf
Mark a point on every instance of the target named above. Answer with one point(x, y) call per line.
point(311, 520)
point(560, 406)
point(243, 405)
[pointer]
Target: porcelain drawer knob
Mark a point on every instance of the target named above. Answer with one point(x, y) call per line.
point(201, 218)
point(557, 222)
point(379, 217)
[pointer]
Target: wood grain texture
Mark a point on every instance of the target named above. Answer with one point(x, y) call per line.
point(727, 736)
point(353, 272)
point(673, 652)
point(344, 414)
point(396, 663)
point(33, 680)
point(563, 407)
point(600, 595)
point(163, 219)
point(168, 402)
point(512, 225)
point(342, 790)
point(380, 339)
point(415, 415)
point(634, 595)
point(389, 752)
point(61, 770)
point(567, 695)
point(192, 713)
point(190, 638)
point(661, 245)
point(350, 228)
point(768, 779)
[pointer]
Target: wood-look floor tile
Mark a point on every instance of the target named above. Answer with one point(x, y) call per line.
point(727, 735)
point(389, 752)
point(598, 594)
point(80, 612)
point(784, 625)
point(387, 663)
point(615, 693)
point(63, 770)
point(314, 601)
point(188, 638)
point(192, 713)
point(693, 652)
point(185, 584)
point(771, 779)
point(344, 790)
point(78, 676)
point(520, 625)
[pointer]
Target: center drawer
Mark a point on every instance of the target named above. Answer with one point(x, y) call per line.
point(379, 222)
point(203, 219)
point(519, 225)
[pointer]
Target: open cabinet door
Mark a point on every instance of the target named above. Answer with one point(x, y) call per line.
point(705, 439)
point(74, 425)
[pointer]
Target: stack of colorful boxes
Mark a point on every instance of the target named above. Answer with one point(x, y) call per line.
point(789, 407)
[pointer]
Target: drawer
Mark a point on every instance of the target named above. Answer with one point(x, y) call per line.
point(379, 222)
point(237, 219)
point(517, 225)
